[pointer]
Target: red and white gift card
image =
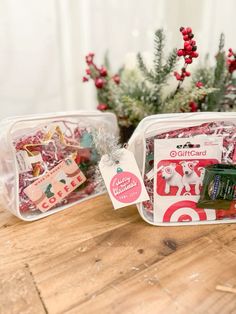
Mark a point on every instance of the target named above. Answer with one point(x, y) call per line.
point(179, 170)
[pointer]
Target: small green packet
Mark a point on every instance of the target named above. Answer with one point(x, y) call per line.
point(219, 187)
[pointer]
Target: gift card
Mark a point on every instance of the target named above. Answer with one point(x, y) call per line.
point(179, 167)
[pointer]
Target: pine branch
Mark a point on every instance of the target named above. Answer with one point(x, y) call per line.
point(135, 109)
point(159, 40)
point(140, 91)
point(169, 67)
point(204, 75)
point(180, 102)
point(221, 42)
point(220, 77)
point(160, 73)
point(143, 68)
point(107, 63)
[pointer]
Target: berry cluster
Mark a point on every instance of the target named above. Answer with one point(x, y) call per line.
point(189, 51)
point(231, 61)
point(199, 84)
point(181, 77)
point(100, 77)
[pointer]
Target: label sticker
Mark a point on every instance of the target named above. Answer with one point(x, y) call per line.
point(24, 161)
point(123, 180)
point(54, 186)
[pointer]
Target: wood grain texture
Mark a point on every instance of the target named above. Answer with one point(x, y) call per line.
point(91, 259)
point(19, 294)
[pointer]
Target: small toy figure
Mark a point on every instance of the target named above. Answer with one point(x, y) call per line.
point(190, 176)
point(172, 178)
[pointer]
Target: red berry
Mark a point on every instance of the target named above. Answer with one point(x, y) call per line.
point(102, 107)
point(194, 54)
point(187, 73)
point(178, 76)
point(116, 79)
point(184, 32)
point(186, 44)
point(230, 50)
point(89, 58)
point(188, 60)
point(85, 79)
point(199, 84)
point(103, 71)
point(232, 65)
point(189, 30)
point(189, 48)
point(99, 82)
point(193, 106)
point(185, 37)
point(193, 42)
point(180, 52)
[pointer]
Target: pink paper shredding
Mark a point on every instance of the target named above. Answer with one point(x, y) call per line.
point(73, 141)
point(227, 130)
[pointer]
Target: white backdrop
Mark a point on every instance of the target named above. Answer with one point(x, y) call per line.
point(43, 43)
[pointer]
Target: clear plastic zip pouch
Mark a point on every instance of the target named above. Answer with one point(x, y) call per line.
point(48, 162)
point(175, 154)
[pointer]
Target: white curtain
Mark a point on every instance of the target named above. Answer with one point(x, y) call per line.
point(43, 43)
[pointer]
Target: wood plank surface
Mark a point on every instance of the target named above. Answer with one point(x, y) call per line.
point(92, 259)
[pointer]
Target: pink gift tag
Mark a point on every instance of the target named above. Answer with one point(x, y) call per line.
point(55, 185)
point(123, 180)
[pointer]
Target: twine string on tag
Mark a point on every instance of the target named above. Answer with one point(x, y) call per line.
point(107, 146)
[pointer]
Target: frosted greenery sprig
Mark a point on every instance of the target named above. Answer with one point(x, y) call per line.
point(180, 102)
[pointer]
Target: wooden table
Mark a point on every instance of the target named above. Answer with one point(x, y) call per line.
point(91, 259)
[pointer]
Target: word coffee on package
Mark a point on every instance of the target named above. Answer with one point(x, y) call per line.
point(59, 182)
